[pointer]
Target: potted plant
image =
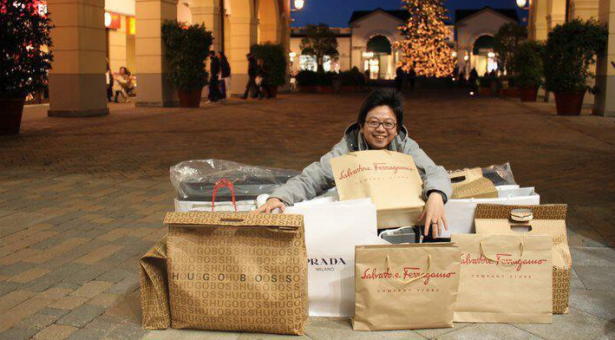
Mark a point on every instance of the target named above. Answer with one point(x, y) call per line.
point(307, 81)
point(570, 51)
point(186, 48)
point(509, 89)
point(529, 66)
point(274, 62)
point(24, 43)
point(352, 80)
point(484, 85)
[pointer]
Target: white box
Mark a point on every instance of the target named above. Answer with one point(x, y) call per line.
point(460, 212)
point(188, 206)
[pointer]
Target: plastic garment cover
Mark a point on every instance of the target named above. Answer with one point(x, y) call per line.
point(499, 174)
point(194, 180)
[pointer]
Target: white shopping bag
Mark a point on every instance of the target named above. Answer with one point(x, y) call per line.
point(460, 212)
point(332, 230)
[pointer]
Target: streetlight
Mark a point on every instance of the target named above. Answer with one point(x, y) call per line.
point(523, 4)
point(298, 5)
point(454, 54)
point(491, 55)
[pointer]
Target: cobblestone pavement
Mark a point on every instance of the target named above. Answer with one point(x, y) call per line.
point(82, 199)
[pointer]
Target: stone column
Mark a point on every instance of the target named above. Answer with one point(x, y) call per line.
point(243, 35)
point(208, 12)
point(538, 28)
point(77, 86)
point(605, 100)
point(153, 87)
point(117, 46)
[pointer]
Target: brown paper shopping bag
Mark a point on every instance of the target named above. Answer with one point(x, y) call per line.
point(534, 220)
point(406, 286)
point(154, 287)
point(504, 278)
point(389, 178)
point(237, 272)
point(470, 183)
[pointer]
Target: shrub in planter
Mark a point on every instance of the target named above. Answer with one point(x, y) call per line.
point(352, 80)
point(509, 88)
point(186, 48)
point(571, 48)
point(274, 62)
point(307, 80)
point(530, 71)
point(325, 82)
point(24, 39)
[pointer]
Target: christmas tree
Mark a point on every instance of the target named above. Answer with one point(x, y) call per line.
point(424, 48)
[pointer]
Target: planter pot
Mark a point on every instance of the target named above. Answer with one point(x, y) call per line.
point(273, 91)
point(484, 91)
point(511, 92)
point(307, 88)
point(569, 103)
point(528, 93)
point(324, 89)
point(10, 116)
point(189, 98)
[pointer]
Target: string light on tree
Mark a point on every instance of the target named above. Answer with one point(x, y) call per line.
point(424, 47)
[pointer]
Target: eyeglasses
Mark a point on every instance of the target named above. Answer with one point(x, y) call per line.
point(388, 125)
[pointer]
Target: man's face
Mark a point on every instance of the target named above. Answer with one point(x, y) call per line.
point(380, 127)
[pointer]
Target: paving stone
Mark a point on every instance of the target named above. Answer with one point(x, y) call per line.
point(105, 300)
point(256, 336)
point(69, 302)
point(37, 322)
point(126, 286)
point(601, 257)
point(127, 332)
point(185, 334)
point(91, 289)
point(14, 298)
point(82, 315)
point(55, 312)
point(436, 333)
point(18, 334)
point(576, 325)
point(596, 278)
point(489, 332)
point(329, 329)
point(87, 333)
point(55, 332)
point(596, 302)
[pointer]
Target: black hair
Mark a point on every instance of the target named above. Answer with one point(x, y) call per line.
point(379, 97)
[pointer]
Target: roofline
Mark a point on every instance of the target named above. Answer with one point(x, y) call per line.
point(371, 13)
point(478, 11)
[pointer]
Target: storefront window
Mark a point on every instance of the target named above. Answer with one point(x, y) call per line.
point(307, 63)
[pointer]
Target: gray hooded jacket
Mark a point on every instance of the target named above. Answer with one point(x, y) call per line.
point(318, 176)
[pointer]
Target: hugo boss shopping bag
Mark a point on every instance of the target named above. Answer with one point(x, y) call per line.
point(504, 278)
point(406, 286)
point(332, 230)
point(237, 272)
point(389, 178)
point(470, 183)
point(547, 219)
point(154, 289)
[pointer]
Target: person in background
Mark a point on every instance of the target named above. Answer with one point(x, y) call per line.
point(122, 84)
point(109, 80)
point(225, 73)
point(214, 79)
point(379, 126)
point(399, 78)
point(412, 77)
point(251, 87)
point(262, 80)
point(473, 82)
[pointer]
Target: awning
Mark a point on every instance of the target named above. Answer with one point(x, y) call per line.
point(483, 44)
point(379, 44)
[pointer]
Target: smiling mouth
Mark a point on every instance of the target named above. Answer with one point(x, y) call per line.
point(380, 137)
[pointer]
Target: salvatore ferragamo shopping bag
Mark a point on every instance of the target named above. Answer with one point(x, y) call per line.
point(406, 286)
point(504, 278)
point(237, 272)
point(389, 178)
point(547, 219)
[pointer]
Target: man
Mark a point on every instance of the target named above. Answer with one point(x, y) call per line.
point(252, 73)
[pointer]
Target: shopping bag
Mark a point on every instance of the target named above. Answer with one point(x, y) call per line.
point(154, 289)
point(470, 183)
point(504, 278)
point(389, 178)
point(332, 230)
point(534, 220)
point(406, 286)
point(237, 272)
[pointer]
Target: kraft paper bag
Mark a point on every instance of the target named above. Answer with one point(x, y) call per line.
point(332, 230)
point(470, 183)
point(237, 272)
point(504, 278)
point(154, 287)
point(406, 286)
point(534, 220)
point(389, 178)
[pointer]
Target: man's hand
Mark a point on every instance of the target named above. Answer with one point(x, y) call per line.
point(270, 205)
point(433, 215)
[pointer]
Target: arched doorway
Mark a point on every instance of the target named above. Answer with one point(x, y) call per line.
point(378, 58)
point(483, 55)
point(268, 15)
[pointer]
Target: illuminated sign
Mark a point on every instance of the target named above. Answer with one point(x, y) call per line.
point(112, 20)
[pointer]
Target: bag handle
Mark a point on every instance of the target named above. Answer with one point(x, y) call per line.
point(223, 183)
point(388, 264)
point(482, 251)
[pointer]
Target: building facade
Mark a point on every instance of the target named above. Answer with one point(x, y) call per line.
point(367, 42)
point(128, 33)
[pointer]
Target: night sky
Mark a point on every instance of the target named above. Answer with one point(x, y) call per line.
point(336, 13)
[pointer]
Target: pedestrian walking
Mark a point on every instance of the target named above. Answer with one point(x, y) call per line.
point(251, 87)
point(214, 79)
point(122, 84)
point(109, 80)
point(262, 80)
point(412, 78)
point(399, 78)
point(473, 80)
point(225, 71)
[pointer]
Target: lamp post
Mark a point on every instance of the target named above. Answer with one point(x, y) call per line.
point(523, 4)
point(298, 5)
